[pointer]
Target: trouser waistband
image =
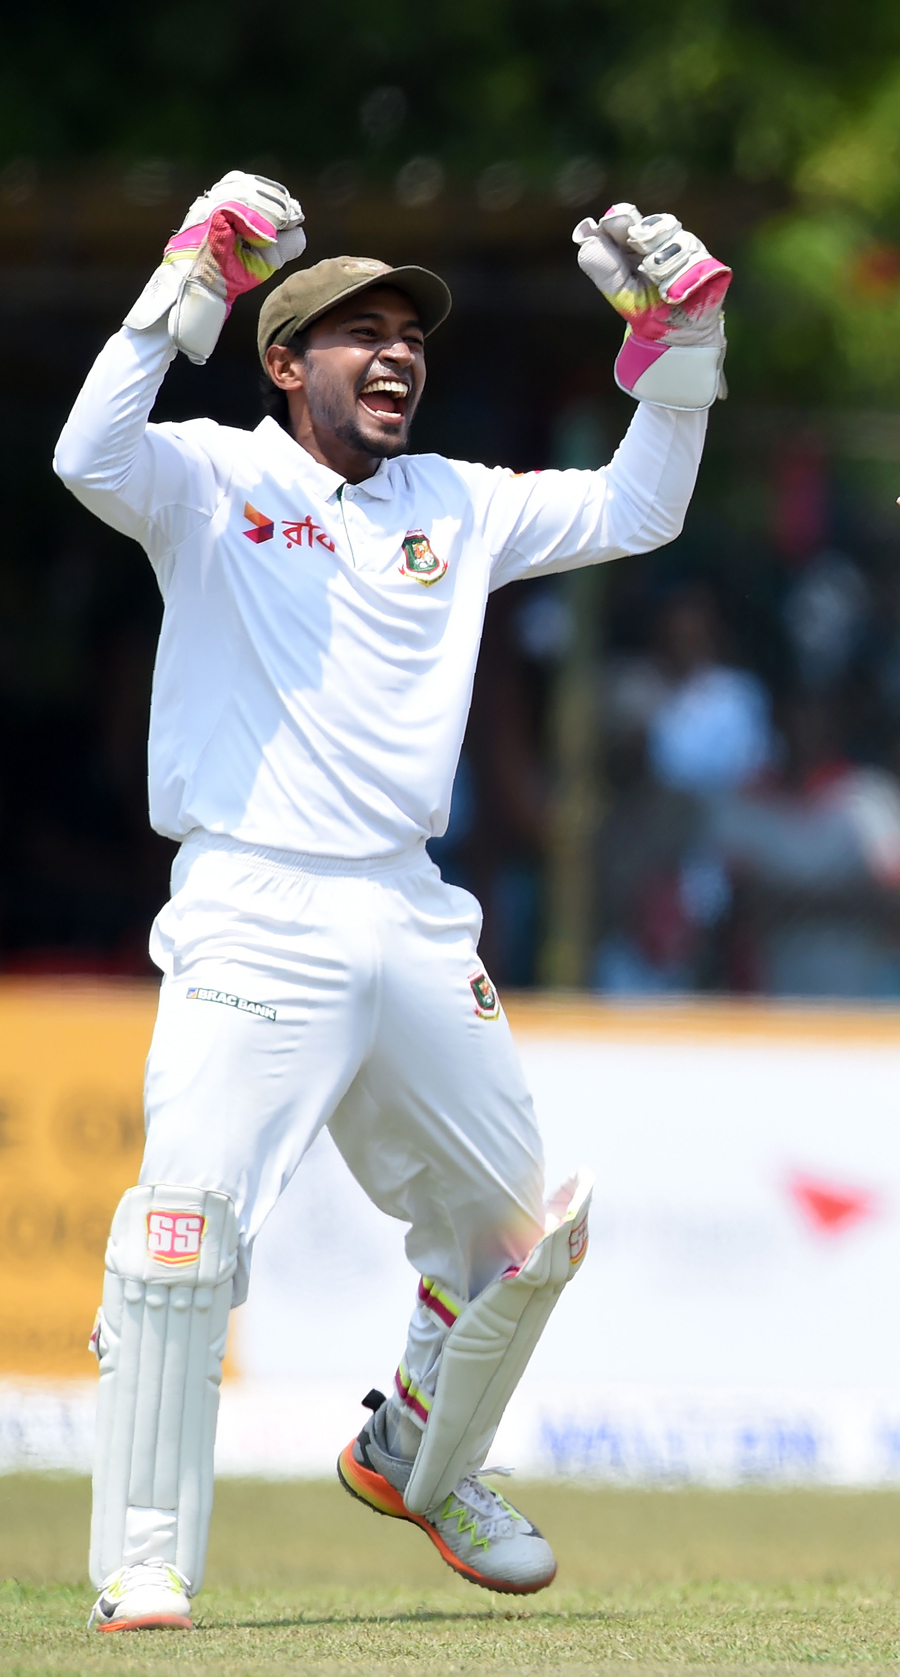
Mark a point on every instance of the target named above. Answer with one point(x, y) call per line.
point(296, 861)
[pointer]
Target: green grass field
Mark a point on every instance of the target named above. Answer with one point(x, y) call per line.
point(301, 1579)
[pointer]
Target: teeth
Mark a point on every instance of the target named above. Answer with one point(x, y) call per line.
point(392, 387)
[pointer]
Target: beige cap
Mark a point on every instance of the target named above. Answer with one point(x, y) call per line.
point(310, 292)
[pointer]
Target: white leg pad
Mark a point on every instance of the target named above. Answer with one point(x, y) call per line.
point(170, 1263)
point(487, 1350)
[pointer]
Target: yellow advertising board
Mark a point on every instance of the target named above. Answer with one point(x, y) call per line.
point(71, 1133)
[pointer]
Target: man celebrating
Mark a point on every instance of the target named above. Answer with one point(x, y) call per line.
point(324, 597)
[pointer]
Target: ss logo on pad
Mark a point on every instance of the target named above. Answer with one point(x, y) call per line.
point(173, 1237)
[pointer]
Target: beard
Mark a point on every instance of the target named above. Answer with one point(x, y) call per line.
point(381, 448)
point(328, 407)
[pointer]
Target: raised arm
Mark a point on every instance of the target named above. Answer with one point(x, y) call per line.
point(127, 473)
point(542, 522)
point(669, 290)
point(155, 482)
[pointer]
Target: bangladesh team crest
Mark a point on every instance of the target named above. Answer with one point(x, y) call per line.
point(419, 560)
point(487, 1001)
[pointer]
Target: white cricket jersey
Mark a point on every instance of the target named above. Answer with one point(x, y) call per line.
point(319, 638)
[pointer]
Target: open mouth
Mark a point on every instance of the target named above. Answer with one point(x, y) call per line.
point(386, 398)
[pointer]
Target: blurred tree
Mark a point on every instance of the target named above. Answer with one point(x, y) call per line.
point(789, 115)
point(834, 254)
point(745, 85)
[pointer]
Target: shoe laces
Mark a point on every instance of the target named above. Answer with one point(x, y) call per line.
point(494, 1515)
point(131, 1577)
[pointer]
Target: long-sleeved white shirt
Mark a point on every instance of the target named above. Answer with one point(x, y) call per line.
point(314, 674)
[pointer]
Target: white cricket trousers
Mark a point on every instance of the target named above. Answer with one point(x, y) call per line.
point(301, 991)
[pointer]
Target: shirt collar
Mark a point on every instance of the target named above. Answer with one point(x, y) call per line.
point(275, 441)
point(321, 479)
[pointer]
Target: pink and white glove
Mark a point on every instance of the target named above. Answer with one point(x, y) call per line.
point(669, 289)
point(234, 237)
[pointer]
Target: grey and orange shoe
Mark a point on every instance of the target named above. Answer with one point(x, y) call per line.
point(152, 1595)
point(474, 1529)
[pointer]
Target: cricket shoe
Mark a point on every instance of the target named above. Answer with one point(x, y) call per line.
point(474, 1529)
point(149, 1596)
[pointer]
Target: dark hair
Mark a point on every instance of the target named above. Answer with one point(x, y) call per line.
point(274, 401)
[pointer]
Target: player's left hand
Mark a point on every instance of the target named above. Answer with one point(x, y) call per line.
point(669, 290)
point(234, 237)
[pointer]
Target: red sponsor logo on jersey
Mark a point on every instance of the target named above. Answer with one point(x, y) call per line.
point(173, 1237)
point(298, 530)
point(578, 1239)
point(263, 527)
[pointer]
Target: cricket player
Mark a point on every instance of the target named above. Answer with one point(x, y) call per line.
point(324, 595)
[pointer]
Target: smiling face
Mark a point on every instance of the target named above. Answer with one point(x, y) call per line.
point(353, 391)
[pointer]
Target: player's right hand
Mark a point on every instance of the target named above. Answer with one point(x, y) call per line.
point(669, 290)
point(234, 237)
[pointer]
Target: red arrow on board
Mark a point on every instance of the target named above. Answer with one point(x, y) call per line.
point(830, 1207)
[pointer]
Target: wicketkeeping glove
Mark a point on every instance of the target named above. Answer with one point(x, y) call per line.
point(669, 289)
point(235, 236)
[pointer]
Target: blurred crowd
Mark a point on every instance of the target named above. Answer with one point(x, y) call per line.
point(745, 848)
point(749, 834)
